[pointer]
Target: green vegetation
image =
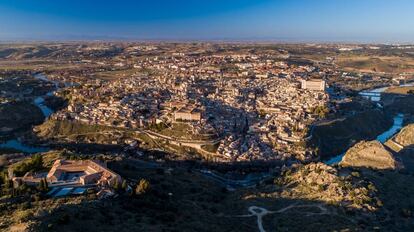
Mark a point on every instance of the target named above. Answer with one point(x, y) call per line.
point(173, 195)
point(34, 164)
point(210, 147)
point(157, 126)
point(181, 130)
point(18, 117)
point(321, 111)
point(43, 185)
point(142, 187)
point(55, 103)
point(177, 201)
point(336, 136)
point(53, 128)
point(65, 131)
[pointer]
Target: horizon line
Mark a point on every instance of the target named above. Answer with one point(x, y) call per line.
point(115, 39)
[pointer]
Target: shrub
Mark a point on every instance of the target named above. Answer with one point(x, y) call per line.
point(143, 187)
point(64, 219)
point(372, 187)
point(43, 185)
point(379, 203)
point(321, 188)
point(278, 181)
point(124, 185)
point(355, 174)
point(37, 197)
point(3, 160)
point(33, 165)
point(116, 186)
point(24, 215)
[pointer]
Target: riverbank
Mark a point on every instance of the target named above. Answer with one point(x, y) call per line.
point(382, 138)
point(17, 117)
point(336, 136)
point(24, 115)
point(376, 95)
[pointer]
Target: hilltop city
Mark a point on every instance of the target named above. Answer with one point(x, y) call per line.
point(198, 136)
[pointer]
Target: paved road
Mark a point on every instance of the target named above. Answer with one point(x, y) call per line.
point(260, 212)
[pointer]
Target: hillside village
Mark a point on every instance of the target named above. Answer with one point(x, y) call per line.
point(271, 102)
point(206, 137)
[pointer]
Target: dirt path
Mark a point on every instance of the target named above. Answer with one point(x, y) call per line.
point(260, 212)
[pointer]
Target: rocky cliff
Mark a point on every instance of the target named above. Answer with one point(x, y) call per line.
point(406, 136)
point(336, 137)
point(320, 182)
point(370, 154)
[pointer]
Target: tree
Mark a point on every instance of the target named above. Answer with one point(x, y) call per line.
point(37, 162)
point(46, 184)
point(34, 164)
point(3, 160)
point(321, 111)
point(41, 186)
point(116, 185)
point(124, 185)
point(8, 186)
point(142, 187)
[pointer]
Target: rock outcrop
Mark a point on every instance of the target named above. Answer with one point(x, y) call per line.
point(335, 137)
point(321, 182)
point(406, 136)
point(370, 154)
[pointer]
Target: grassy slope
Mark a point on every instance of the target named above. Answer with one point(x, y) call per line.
point(335, 138)
point(19, 116)
point(53, 128)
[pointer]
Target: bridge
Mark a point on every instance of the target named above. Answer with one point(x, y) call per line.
point(373, 96)
point(370, 94)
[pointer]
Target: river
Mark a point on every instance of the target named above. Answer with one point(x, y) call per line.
point(16, 144)
point(382, 138)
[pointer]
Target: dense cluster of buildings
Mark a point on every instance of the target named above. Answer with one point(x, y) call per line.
point(258, 107)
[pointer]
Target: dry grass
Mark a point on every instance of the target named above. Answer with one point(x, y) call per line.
point(400, 90)
point(386, 64)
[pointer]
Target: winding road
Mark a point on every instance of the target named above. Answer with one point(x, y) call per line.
point(260, 212)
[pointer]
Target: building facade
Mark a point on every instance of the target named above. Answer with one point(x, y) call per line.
point(314, 84)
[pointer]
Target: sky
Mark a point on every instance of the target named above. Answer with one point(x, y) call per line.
point(379, 21)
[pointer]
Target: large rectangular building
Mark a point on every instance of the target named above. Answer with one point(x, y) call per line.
point(73, 173)
point(188, 113)
point(314, 84)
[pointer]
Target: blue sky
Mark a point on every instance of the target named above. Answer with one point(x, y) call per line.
point(279, 20)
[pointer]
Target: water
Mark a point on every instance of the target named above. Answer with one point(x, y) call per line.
point(335, 159)
point(398, 123)
point(42, 77)
point(17, 145)
point(39, 102)
point(382, 138)
point(375, 94)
